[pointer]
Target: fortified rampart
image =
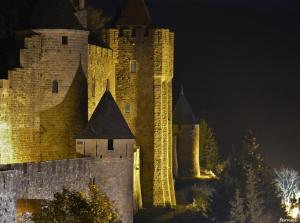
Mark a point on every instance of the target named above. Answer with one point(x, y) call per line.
point(39, 181)
point(101, 67)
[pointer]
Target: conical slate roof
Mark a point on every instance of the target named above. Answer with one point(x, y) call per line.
point(135, 13)
point(52, 14)
point(183, 113)
point(107, 121)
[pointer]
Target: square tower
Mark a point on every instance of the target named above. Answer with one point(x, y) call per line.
point(144, 73)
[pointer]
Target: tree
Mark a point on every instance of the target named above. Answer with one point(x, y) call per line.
point(288, 183)
point(96, 20)
point(209, 156)
point(247, 170)
point(202, 197)
point(251, 152)
point(254, 199)
point(75, 207)
point(238, 213)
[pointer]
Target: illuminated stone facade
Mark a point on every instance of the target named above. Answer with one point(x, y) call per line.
point(48, 99)
point(101, 67)
point(145, 99)
point(186, 132)
point(43, 122)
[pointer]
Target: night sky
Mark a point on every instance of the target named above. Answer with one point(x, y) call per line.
point(240, 66)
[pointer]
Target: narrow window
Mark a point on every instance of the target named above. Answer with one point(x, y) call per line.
point(64, 40)
point(93, 88)
point(127, 108)
point(110, 144)
point(133, 66)
point(55, 86)
point(39, 168)
point(93, 180)
point(96, 149)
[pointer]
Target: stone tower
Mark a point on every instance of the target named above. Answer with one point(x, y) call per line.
point(185, 140)
point(109, 140)
point(144, 73)
point(47, 92)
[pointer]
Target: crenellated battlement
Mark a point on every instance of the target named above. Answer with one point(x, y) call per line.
point(4, 84)
point(136, 35)
point(97, 53)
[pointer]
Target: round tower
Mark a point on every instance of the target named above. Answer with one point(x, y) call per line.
point(185, 140)
point(54, 58)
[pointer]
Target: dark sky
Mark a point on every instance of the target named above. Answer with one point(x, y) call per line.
point(239, 62)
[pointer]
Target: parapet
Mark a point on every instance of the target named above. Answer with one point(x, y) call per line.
point(101, 52)
point(4, 84)
point(136, 35)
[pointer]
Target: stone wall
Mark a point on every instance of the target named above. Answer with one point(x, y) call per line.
point(39, 181)
point(101, 67)
point(44, 59)
point(145, 100)
point(186, 150)
point(9, 181)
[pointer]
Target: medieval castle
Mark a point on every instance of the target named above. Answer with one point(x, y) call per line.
point(74, 112)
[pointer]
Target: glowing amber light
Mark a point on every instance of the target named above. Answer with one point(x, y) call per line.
point(5, 143)
point(295, 213)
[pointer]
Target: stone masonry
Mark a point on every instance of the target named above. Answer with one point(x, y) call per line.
point(42, 180)
point(145, 99)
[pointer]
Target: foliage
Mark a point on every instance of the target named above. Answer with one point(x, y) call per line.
point(254, 198)
point(202, 197)
point(75, 207)
point(209, 155)
point(96, 20)
point(237, 213)
point(288, 182)
point(246, 170)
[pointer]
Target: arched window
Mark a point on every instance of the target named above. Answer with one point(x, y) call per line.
point(55, 86)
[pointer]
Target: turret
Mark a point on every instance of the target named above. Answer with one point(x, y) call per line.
point(109, 140)
point(185, 140)
point(107, 133)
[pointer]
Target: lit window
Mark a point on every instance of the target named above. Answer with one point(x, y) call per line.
point(64, 40)
point(110, 144)
point(133, 66)
point(127, 108)
point(55, 86)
